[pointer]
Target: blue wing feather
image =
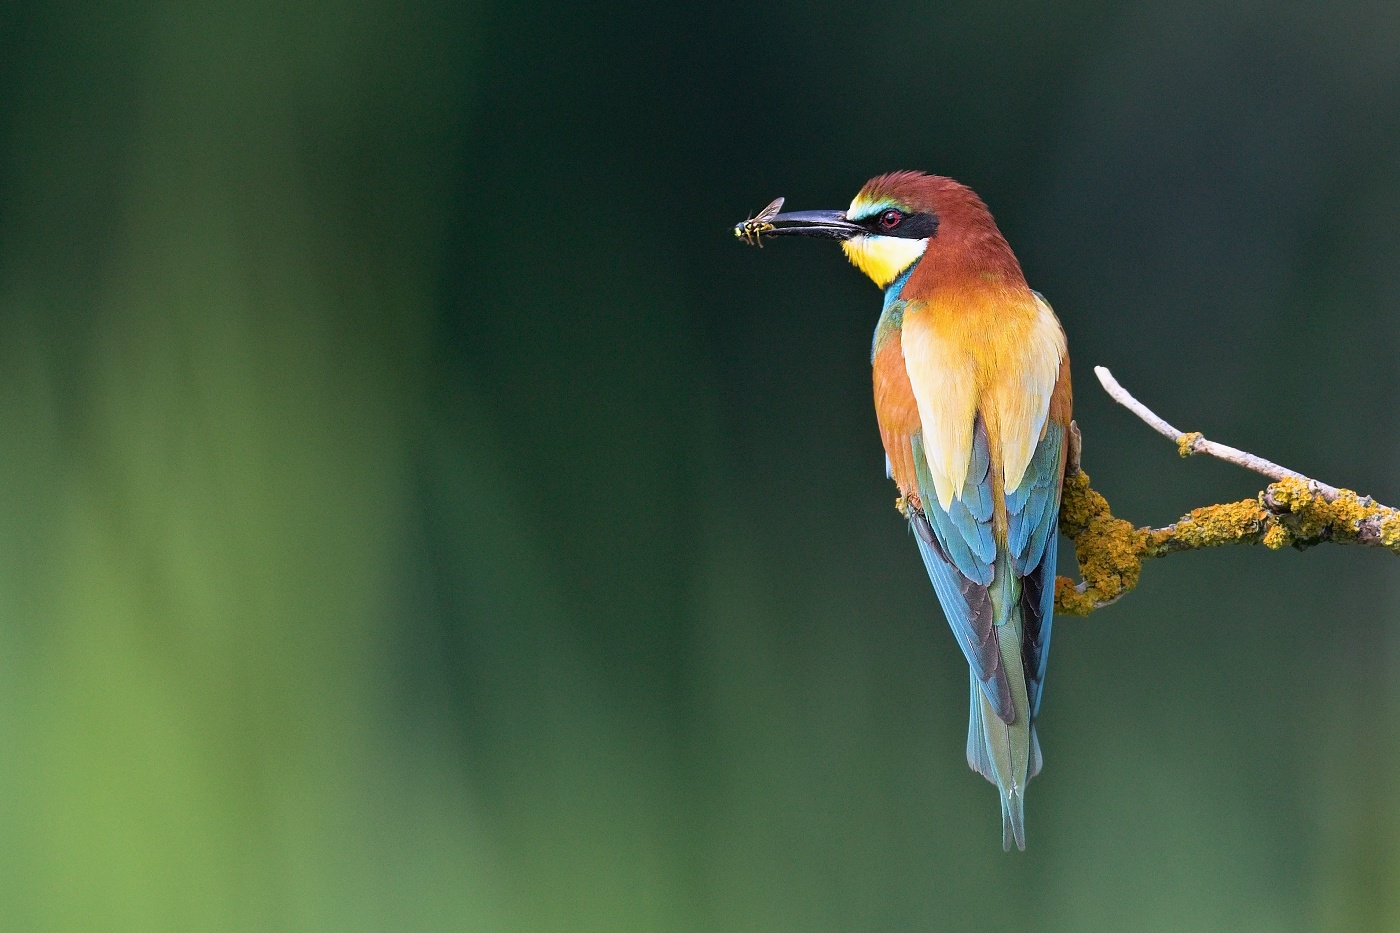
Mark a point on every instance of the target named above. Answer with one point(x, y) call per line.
point(1031, 527)
point(964, 530)
point(1033, 507)
point(959, 556)
point(1046, 572)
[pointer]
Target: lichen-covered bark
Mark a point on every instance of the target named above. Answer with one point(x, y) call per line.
point(1289, 513)
point(1109, 550)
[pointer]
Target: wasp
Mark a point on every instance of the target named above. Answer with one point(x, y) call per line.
point(752, 229)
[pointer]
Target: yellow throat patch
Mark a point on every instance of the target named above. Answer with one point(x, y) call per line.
point(883, 258)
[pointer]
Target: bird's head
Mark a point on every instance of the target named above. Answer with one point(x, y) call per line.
point(891, 224)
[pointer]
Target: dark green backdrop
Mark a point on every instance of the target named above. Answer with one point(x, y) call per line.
point(417, 512)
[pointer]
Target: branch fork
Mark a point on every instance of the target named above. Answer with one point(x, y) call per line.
point(1293, 511)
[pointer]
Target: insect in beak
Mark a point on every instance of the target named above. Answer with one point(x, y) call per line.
point(830, 225)
point(752, 229)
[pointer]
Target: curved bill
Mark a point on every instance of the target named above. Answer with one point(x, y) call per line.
point(831, 225)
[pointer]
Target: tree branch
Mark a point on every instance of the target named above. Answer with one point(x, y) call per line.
point(1195, 443)
point(1294, 511)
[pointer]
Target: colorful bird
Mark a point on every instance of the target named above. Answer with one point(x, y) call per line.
point(972, 395)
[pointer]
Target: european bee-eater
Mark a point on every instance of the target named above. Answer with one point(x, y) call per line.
point(972, 396)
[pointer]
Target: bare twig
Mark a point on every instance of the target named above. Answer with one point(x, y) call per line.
point(1194, 443)
point(1294, 511)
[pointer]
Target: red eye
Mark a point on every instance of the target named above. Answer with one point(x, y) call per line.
point(890, 219)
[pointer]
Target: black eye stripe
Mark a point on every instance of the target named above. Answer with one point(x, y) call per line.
point(913, 227)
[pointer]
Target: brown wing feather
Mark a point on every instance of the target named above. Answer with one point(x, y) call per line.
point(1062, 399)
point(898, 414)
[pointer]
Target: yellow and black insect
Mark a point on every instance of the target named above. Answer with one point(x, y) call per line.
point(751, 231)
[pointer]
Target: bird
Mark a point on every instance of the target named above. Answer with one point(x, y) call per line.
point(973, 402)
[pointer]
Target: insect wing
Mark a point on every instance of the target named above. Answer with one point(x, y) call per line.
point(769, 212)
point(752, 229)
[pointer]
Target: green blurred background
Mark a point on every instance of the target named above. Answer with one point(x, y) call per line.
point(418, 513)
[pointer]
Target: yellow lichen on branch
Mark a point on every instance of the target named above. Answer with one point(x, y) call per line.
point(1186, 443)
point(1243, 522)
point(1109, 550)
point(1306, 517)
point(1289, 513)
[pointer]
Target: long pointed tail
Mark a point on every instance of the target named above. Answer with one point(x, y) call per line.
point(1007, 754)
point(984, 731)
point(1013, 820)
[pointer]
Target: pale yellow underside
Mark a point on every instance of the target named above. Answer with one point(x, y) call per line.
point(883, 258)
point(989, 350)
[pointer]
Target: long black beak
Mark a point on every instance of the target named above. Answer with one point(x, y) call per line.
point(831, 225)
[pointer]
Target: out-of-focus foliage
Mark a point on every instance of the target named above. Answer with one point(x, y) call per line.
point(418, 514)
